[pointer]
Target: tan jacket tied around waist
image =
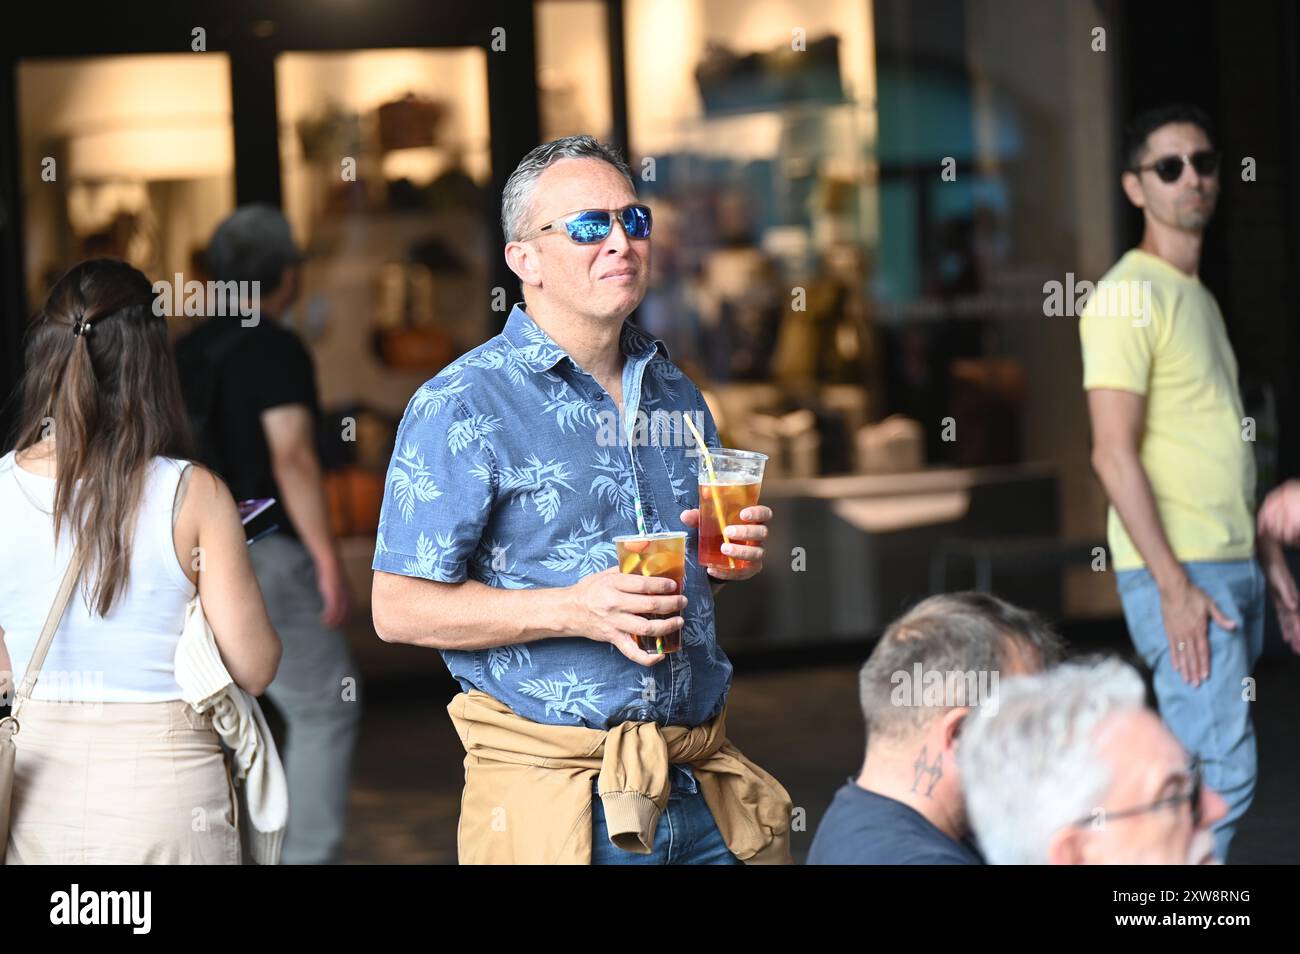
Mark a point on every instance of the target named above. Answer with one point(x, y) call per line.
point(527, 793)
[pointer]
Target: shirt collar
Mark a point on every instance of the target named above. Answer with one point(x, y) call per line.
point(540, 352)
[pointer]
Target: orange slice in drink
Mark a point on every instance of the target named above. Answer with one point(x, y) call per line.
point(635, 546)
point(658, 563)
point(629, 562)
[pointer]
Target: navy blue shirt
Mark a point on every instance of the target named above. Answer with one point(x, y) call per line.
point(514, 467)
point(866, 828)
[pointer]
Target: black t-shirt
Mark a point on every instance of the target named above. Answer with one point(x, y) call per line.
point(230, 374)
point(865, 828)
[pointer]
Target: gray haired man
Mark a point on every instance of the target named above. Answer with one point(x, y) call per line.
point(933, 665)
point(503, 494)
point(1072, 768)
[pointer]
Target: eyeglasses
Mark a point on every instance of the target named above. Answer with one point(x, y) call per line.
point(1170, 168)
point(589, 226)
point(1192, 795)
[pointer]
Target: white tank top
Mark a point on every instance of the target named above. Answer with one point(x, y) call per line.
point(126, 656)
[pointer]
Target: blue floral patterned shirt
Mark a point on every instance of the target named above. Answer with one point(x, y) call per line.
point(513, 467)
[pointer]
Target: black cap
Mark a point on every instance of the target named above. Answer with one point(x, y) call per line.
point(254, 243)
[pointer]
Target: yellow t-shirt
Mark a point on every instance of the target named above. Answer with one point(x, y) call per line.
point(1156, 331)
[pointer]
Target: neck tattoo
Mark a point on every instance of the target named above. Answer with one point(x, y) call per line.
point(922, 767)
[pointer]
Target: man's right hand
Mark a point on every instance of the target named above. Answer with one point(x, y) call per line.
point(611, 607)
point(333, 588)
point(1186, 609)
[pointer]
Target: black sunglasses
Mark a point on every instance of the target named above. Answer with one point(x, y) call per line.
point(1170, 168)
point(589, 226)
point(1192, 795)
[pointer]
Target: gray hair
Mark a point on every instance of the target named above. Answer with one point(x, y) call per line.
point(1030, 766)
point(968, 635)
point(516, 198)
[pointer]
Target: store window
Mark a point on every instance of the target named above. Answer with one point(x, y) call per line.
point(573, 63)
point(385, 166)
point(752, 128)
point(129, 157)
point(857, 204)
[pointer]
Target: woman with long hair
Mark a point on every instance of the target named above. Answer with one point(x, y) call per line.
point(112, 765)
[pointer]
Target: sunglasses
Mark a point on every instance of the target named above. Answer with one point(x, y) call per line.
point(1170, 168)
point(589, 226)
point(1191, 794)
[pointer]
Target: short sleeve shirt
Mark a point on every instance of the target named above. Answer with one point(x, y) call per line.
point(867, 828)
point(514, 467)
point(260, 367)
point(1150, 329)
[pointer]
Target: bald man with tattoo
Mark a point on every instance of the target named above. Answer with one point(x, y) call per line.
point(932, 667)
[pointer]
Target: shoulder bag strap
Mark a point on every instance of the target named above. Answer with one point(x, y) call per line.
point(57, 610)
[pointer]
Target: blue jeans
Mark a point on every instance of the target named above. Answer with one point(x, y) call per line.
point(1213, 720)
point(686, 834)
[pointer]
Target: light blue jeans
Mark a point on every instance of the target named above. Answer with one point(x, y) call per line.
point(686, 834)
point(1212, 721)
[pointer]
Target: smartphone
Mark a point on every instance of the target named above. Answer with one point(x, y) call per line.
point(257, 523)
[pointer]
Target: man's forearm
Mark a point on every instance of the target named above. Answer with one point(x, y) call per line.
point(1129, 489)
point(302, 491)
point(1272, 560)
point(1268, 551)
point(467, 615)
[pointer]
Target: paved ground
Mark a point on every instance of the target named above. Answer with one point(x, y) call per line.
point(801, 724)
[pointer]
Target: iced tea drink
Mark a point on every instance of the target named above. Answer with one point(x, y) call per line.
point(734, 485)
point(655, 554)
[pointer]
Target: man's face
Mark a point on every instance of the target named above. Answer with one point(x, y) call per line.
point(1148, 765)
point(1188, 202)
point(604, 280)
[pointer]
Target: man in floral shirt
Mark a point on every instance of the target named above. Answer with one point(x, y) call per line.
point(517, 465)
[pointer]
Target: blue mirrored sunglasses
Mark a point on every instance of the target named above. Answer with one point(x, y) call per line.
point(589, 226)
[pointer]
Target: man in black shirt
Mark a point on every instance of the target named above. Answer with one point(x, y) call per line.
point(251, 392)
point(932, 666)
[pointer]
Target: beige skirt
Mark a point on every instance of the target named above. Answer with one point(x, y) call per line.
point(120, 783)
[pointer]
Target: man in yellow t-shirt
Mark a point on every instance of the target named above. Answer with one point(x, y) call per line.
point(1172, 449)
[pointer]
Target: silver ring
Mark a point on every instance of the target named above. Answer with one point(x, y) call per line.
point(1182, 647)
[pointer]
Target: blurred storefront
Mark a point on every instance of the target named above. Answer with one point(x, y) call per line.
point(129, 157)
point(857, 205)
point(863, 201)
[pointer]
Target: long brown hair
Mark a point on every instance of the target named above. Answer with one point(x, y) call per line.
point(112, 398)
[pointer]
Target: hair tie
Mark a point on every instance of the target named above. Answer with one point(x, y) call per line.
point(80, 327)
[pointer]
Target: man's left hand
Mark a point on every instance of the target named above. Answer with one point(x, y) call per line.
point(746, 541)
